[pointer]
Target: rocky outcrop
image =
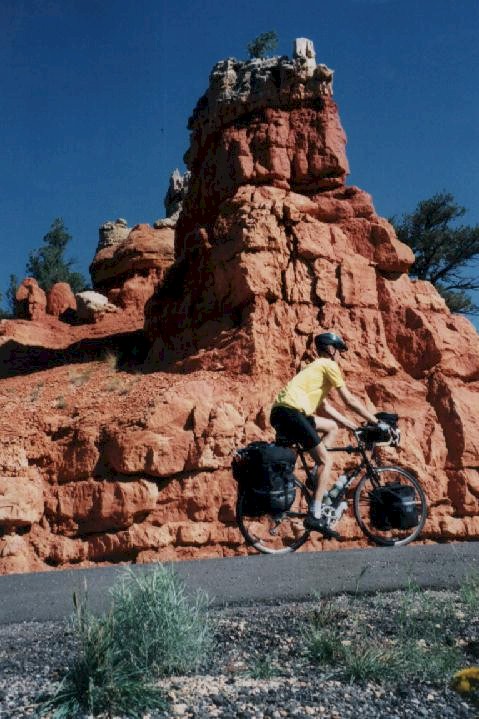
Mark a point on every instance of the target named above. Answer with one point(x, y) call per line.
point(112, 233)
point(129, 269)
point(263, 122)
point(61, 301)
point(92, 305)
point(30, 300)
point(271, 247)
point(174, 197)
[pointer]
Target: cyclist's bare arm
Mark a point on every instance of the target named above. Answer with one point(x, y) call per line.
point(332, 412)
point(353, 403)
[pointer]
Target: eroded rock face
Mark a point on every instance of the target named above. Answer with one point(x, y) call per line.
point(112, 233)
point(177, 189)
point(61, 301)
point(30, 300)
point(129, 270)
point(271, 248)
point(264, 122)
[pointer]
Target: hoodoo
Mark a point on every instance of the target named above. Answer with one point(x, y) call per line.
point(129, 459)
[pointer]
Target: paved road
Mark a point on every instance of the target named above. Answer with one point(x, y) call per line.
point(48, 595)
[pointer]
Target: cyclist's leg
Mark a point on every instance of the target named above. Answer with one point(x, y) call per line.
point(322, 457)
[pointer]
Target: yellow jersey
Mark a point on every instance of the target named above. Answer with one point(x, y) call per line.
point(308, 388)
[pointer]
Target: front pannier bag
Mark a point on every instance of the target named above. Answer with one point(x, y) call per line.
point(393, 507)
point(264, 472)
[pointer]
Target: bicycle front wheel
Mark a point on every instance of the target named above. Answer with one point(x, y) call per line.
point(275, 533)
point(388, 536)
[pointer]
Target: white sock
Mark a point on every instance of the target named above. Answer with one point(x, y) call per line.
point(316, 507)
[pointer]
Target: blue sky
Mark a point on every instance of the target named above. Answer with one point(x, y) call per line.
point(96, 95)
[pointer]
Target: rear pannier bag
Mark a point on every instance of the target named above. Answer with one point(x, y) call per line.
point(264, 473)
point(393, 507)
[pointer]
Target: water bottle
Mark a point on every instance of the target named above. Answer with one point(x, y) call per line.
point(341, 481)
point(340, 510)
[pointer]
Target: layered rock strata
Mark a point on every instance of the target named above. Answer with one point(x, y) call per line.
point(129, 269)
point(271, 247)
point(263, 122)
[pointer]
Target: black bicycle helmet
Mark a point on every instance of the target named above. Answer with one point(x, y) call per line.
point(329, 339)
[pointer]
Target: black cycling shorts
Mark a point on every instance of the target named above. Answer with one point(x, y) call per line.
point(295, 425)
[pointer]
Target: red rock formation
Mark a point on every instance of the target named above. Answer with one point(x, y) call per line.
point(271, 247)
point(129, 271)
point(61, 300)
point(30, 300)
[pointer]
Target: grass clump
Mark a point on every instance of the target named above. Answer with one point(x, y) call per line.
point(114, 384)
point(162, 630)
point(60, 402)
point(432, 662)
point(79, 377)
point(361, 661)
point(417, 645)
point(111, 360)
point(324, 647)
point(263, 668)
point(469, 592)
point(153, 629)
point(367, 662)
point(36, 391)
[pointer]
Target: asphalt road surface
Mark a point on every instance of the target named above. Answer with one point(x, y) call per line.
point(45, 596)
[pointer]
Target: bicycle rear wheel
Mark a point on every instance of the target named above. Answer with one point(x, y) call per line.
point(276, 533)
point(388, 537)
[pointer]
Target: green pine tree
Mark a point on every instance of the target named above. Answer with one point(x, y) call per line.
point(264, 43)
point(11, 292)
point(48, 265)
point(9, 311)
point(445, 254)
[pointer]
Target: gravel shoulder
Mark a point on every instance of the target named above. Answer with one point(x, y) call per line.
point(261, 668)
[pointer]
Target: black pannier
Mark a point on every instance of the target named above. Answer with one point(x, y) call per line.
point(371, 435)
point(393, 507)
point(264, 473)
point(387, 434)
point(389, 418)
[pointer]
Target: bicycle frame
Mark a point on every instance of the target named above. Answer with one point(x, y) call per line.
point(351, 474)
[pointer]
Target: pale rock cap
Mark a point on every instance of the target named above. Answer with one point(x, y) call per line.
point(303, 49)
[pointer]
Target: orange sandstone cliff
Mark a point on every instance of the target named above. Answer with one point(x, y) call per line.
point(118, 430)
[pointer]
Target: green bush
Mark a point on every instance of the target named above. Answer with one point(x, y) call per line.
point(152, 630)
point(161, 630)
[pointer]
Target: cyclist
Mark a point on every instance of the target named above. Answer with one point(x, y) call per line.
point(293, 410)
